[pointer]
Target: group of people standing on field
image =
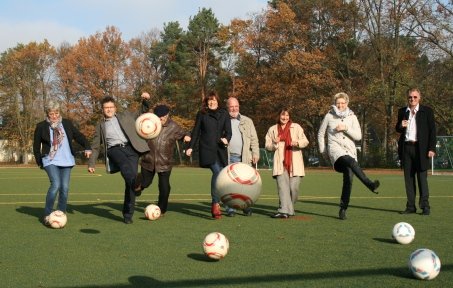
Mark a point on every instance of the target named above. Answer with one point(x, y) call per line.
point(226, 136)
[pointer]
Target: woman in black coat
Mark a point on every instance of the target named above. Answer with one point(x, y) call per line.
point(53, 150)
point(213, 132)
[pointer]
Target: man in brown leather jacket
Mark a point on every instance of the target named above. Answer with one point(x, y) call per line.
point(159, 159)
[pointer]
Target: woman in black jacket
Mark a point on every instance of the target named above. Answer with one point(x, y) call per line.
point(53, 150)
point(213, 132)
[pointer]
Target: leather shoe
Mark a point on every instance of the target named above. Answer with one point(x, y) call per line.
point(342, 214)
point(426, 211)
point(247, 211)
point(408, 211)
point(128, 221)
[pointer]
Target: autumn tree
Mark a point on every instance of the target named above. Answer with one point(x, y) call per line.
point(278, 68)
point(92, 69)
point(140, 73)
point(25, 75)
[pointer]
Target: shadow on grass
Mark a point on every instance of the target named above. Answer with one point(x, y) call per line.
point(107, 210)
point(350, 206)
point(203, 209)
point(38, 213)
point(284, 279)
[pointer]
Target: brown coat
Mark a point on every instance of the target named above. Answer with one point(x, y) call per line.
point(161, 149)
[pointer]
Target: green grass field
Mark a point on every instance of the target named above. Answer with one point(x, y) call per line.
point(312, 249)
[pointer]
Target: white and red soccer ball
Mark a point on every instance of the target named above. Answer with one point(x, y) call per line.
point(238, 185)
point(57, 219)
point(215, 245)
point(403, 233)
point(148, 125)
point(424, 264)
point(152, 212)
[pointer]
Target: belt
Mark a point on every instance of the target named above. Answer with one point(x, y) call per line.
point(119, 145)
point(412, 143)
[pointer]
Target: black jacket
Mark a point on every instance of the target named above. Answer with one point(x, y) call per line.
point(42, 141)
point(426, 134)
point(209, 128)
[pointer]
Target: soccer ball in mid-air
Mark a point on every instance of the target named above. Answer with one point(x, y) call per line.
point(148, 125)
point(57, 219)
point(238, 185)
point(424, 264)
point(403, 233)
point(152, 212)
point(215, 245)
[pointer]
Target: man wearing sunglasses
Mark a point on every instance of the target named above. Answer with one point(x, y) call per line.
point(416, 145)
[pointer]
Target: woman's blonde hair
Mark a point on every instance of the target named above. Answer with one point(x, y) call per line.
point(341, 95)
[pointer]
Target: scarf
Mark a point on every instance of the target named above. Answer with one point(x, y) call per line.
point(341, 114)
point(58, 136)
point(285, 136)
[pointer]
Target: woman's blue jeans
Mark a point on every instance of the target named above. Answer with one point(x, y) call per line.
point(215, 168)
point(59, 183)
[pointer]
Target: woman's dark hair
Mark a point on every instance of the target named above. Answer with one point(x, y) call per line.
point(280, 111)
point(211, 95)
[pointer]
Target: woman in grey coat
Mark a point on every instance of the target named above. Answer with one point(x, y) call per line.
point(343, 128)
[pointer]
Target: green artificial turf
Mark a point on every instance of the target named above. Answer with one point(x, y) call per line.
point(312, 249)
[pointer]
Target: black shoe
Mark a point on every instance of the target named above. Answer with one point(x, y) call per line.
point(128, 221)
point(408, 211)
point(247, 211)
point(375, 185)
point(231, 213)
point(280, 215)
point(342, 214)
point(426, 211)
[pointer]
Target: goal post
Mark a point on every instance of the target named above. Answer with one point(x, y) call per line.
point(442, 163)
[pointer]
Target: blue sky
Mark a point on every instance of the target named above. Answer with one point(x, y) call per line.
point(24, 21)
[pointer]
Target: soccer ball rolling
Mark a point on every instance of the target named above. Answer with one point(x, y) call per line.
point(238, 185)
point(403, 233)
point(148, 125)
point(152, 212)
point(57, 219)
point(215, 245)
point(424, 264)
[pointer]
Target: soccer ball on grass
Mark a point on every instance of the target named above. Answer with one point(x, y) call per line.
point(424, 264)
point(57, 219)
point(215, 245)
point(152, 212)
point(403, 233)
